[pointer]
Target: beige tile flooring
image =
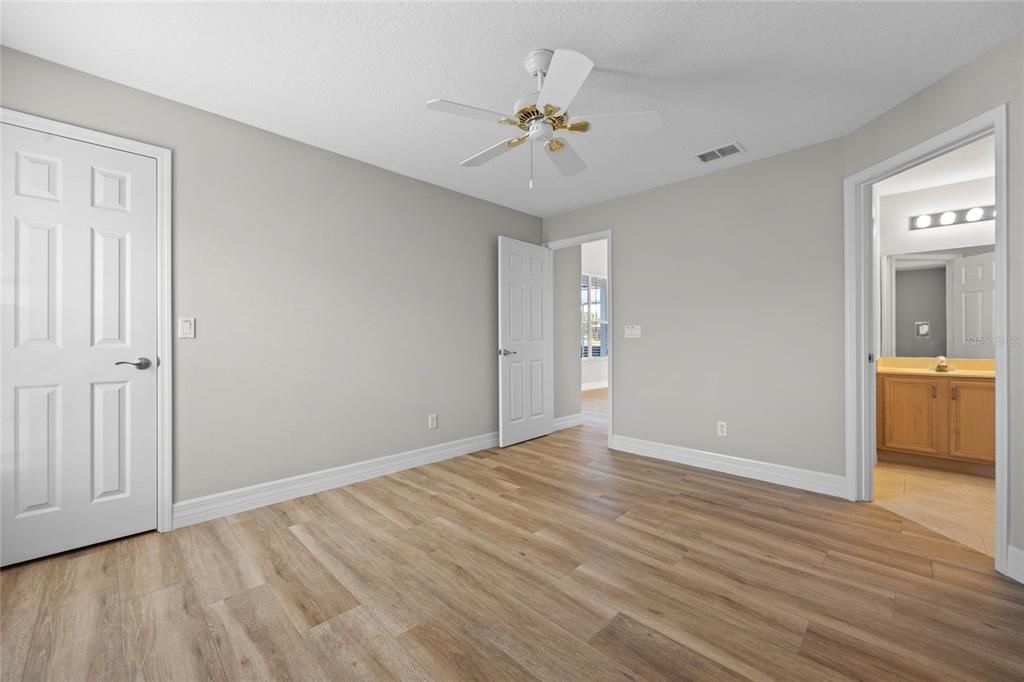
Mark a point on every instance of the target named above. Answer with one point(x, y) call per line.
point(959, 506)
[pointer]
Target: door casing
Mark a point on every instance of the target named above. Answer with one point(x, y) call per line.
point(165, 403)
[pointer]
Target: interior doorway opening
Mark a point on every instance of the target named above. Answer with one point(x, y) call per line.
point(589, 319)
point(952, 411)
point(594, 347)
point(935, 377)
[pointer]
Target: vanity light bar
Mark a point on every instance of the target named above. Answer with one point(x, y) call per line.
point(947, 218)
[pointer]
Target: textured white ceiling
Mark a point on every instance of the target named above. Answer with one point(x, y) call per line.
point(970, 162)
point(354, 77)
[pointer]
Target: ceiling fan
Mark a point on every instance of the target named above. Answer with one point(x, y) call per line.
point(544, 113)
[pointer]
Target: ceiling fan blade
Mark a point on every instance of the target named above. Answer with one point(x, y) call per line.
point(494, 151)
point(565, 158)
point(564, 79)
point(448, 107)
point(632, 123)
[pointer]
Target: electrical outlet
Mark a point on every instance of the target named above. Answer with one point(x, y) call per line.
point(632, 331)
point(723, 429)
point(431, 421)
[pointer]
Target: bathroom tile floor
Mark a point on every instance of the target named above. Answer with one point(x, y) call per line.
point(959, 506)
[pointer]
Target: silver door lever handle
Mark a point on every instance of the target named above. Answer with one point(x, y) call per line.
point(505, 352)
point(143, 363)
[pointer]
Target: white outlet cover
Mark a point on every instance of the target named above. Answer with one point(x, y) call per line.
point(632, 331)
point(186, 327)
point(723, 429)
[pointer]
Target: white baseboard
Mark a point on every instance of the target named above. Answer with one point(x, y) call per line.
point(814, 481)
point(1015, 563)
point(594, 385)
point(568, 421)
point(213, 506)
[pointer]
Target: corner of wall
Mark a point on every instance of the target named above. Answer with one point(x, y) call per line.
point(1015, 563)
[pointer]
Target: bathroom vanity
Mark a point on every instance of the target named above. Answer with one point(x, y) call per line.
point(946, 415)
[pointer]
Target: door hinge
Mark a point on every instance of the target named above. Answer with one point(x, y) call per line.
point(871, 357)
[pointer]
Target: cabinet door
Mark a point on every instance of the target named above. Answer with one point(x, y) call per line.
point(972, 420)
point(915, 415)
point(879, 411)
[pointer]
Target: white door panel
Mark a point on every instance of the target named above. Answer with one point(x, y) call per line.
point(526, 344)
point(78, 263)
point(974, 306)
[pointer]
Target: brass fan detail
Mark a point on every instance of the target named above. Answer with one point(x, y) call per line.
point(544, 112)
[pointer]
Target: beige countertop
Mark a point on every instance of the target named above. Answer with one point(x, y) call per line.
point(964, 368)
point(954, 373)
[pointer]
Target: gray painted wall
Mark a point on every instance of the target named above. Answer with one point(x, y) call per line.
point(338, 304)
point(774, 305)
point(567, 331)
point(743, 293)
point(920, 297)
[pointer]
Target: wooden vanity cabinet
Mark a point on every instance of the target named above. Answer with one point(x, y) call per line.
point(936, 416)
point(914, 415)
point(972, 417)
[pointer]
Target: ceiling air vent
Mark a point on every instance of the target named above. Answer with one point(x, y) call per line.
point(727, 150)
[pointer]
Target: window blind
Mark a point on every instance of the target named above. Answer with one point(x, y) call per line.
point(593, 317)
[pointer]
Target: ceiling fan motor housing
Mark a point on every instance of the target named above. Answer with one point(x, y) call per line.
point(527, 102)
point(538, 61)
point(541, 130)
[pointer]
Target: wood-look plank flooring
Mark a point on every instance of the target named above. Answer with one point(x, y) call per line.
point(556, 559)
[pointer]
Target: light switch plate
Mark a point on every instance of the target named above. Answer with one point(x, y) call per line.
point(186, 327)
point(632, 331)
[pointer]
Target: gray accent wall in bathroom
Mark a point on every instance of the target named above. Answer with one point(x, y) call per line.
point(920, 297)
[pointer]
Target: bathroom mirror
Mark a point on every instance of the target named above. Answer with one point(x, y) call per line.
point(938, 303)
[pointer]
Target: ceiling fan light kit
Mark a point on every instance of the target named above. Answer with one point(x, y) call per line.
point(544, 113)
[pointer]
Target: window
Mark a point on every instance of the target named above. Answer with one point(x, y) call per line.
point(593, 317)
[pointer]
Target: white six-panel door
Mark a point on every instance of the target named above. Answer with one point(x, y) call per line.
point(525, 342)
point(974, 307)
point(79, 272)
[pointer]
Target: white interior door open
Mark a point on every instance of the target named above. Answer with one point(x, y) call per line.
point(79, 271)
point(973, 292)
point(526, 348)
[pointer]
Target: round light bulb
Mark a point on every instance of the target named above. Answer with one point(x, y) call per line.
point(923, 221)
point(947, 218)
point(974, 215)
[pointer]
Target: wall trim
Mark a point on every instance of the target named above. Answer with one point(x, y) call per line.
point(198, 509)
point(804, 479)
point(592, 385)
point(568, 421)
point(1015, 563)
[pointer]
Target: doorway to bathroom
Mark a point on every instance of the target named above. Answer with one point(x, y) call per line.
point(935, 382)
point(926, 338)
